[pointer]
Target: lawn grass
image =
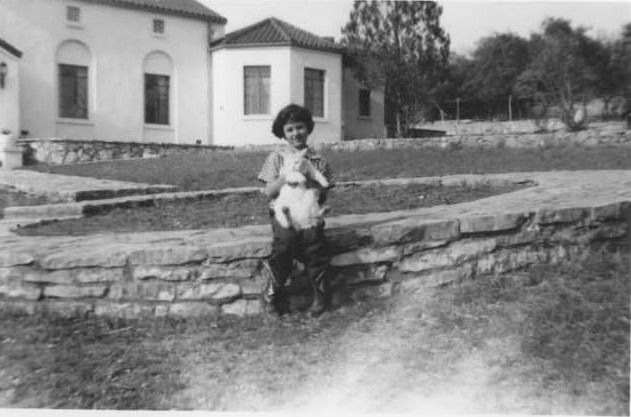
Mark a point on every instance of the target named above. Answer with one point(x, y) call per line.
point(224, 169)
point(550, 340)
point(236, 210)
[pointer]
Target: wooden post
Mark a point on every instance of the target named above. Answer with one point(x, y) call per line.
point(457, 110)
point(510, 108)
point(457, 113)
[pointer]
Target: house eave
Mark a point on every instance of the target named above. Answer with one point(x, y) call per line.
point(161, 10)
point(10, 48)
point(275, 44)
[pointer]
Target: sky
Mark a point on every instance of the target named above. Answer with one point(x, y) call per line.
point(466, 21)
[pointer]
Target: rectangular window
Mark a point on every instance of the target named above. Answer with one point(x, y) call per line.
point(157, 99)
point(364, 102)
point(158, 26)
point(73, 91)
point(256, 87)
point(314, 91)
point(73, 14)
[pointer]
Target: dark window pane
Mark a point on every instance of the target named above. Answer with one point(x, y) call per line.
point(158, 26)
point(314, 91)
point(364, 102)
point(73, 91)
point(256, 89)
point(157, 99)
point(73, 13)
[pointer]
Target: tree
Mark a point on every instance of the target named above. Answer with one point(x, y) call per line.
point(497, 62)
point(619, 69)
point(448, 93)
point(399, 45)
point(562, 71)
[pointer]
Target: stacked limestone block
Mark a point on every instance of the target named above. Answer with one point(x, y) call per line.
point(219, 272)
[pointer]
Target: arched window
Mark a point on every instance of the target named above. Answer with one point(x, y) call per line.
point(73, 71)
point(158, 74)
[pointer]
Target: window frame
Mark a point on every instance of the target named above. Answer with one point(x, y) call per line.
point(309, 102)
point(261, 107)
point(157, 115)
point(78, 111)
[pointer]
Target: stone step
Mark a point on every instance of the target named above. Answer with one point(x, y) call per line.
point(72, 188)
point(78, 209)
point(140, 189)
point(7, 225)
point(31, 214)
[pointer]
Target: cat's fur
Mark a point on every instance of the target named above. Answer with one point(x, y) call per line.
point(297, 206)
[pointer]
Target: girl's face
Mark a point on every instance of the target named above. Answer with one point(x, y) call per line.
point(296, 134)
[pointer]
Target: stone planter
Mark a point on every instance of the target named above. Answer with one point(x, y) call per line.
point(10, 152)
point(6, 141)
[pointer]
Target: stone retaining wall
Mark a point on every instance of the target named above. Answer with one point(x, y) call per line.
point(56, 151)
point(509, 140)
point(65, 151)
point(532, 140)
point(220, 272)
point(471, 127)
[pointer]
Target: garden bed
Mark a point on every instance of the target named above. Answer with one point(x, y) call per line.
point(240, 209)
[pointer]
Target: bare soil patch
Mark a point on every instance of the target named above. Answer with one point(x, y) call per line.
point(237, 210)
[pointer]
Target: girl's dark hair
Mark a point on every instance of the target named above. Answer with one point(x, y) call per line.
point(291, 113)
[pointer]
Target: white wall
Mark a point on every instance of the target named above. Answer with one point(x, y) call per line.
point(118, 39)
point(361, 127)
point(9, 96)
point(230, 126)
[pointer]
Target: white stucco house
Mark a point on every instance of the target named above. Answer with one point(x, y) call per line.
point(165, 71)
point(9, 87)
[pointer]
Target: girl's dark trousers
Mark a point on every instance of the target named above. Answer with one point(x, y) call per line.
point(309, 246)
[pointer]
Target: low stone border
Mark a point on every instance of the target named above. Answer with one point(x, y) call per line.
point(210, 272)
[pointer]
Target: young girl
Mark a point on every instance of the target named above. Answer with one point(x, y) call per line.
point(293, 125)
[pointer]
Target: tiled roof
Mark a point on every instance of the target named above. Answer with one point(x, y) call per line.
point(10, 48)
point(275, 32)
point(188, 8)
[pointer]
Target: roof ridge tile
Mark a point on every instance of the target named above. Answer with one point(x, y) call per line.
point(277, 24)
point(273, 31)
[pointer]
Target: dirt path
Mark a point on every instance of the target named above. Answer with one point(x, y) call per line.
point(388, 361)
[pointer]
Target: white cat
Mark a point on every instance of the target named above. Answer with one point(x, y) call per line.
point(297, 206)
